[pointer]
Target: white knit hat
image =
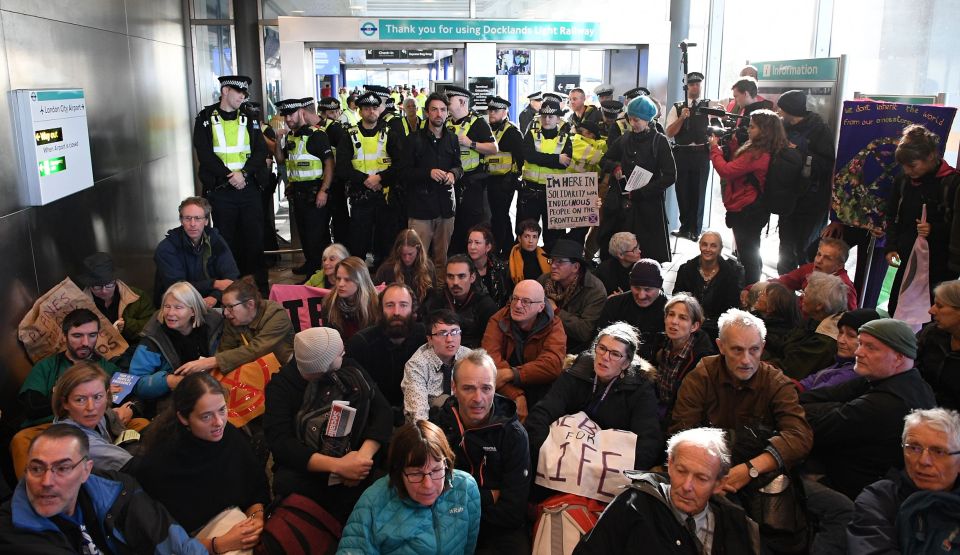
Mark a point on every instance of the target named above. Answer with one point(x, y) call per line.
point(316, 348)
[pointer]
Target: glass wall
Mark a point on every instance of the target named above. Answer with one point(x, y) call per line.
point(271, 68)
point(213, 57)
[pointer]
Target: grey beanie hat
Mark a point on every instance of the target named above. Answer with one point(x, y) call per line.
point(894, 334)
point(315, 349)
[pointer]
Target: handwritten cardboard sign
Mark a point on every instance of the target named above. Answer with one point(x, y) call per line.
point(572, 200)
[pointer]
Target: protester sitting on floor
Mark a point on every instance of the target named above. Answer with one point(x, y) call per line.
point(575, 295)
point(938, 353)
point(409, 264)
point(81, 398)
point(74, 511)
point(679, 350)
point(183, 330)
point(463, 293)
point(200, 467)
point(194, 252)
point(811, 345)
point(427, 375)
point(614, 272)
point(126, 307)
point(683, 512)
point(641, 307)
point(931, 455)
point(326, 277)
point(307, 463)
point(613, 386)
point(714, 280)
point(831, 256)
point(81, 328)
point(254, 327)
point(842, 370)
point(777, 307)
point(423, 505)
point(353, 304)
point(493, 272)
point(527, 260)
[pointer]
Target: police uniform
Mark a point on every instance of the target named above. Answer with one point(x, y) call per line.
point(528, 115)
point(227, 142)
point(337, 199)
point(692, 155)
point(472, 205)
point(590, 113)
point(621, 125)
point(604, 92)
point(504, 169)
point(541, 157)
point(361, 153)
point(306, 151)
point(611, 112)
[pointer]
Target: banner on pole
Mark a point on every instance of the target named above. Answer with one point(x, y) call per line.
point(572, 200)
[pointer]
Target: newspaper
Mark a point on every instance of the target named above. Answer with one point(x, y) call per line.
point(336, 438)
point(638, 179)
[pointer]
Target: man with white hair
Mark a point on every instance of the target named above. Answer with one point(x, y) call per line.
point(931, 451)
point(681, 512)
point(614, 272)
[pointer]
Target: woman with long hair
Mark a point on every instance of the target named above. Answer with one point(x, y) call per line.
point(408, 264)
point(927, 179)
point(493, 272)
point(353, 304)
point(745, 176)
point(778, 308)
point(198, 466)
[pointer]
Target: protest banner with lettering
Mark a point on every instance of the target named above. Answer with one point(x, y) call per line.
point(302, 302)
point(572, 200)
point(40, 332)
point(580, 458)
point(866, 167)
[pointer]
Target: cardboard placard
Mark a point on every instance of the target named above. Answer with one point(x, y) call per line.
point(572, 200)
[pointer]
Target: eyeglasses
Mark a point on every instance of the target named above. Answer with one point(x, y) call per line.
point(230, 307)
point(60, 470)
point(417, 477)
point(447, 333)
point(636, 248)
point(524, 302)
point(108, 285)
point(915, 450)
point(189, 219)
point(603, 350)
point(81, 400)
point(558, 261)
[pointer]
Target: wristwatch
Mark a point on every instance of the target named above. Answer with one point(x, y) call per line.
point(473, 145)
point(752, 470)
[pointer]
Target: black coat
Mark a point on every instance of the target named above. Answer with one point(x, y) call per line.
point(615, 278)
point(640, 520)
point(425, 198)
point(497, 455)
point(649, 320)
point(384, 361)
point(819, 139)
point(857, 426)
point(474, 313)
point(631, 405)
point(939, 365)
point(716, 297)
point(642, 212)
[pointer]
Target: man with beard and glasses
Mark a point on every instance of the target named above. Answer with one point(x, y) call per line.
point(465, 295)
point(384, 349)
point(81, 329)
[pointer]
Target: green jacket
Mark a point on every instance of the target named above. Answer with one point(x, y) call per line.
point(270, 331)
point(136, 309)
point(36, 391)
point(804, 350)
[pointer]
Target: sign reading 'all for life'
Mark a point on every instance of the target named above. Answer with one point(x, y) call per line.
point(572, 200)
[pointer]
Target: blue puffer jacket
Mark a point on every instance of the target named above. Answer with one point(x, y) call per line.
point(383, 523)
point(155, 356)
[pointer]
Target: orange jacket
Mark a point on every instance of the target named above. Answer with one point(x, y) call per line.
point(543, 350)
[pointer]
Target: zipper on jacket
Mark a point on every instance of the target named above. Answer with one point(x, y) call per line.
point(436, 526)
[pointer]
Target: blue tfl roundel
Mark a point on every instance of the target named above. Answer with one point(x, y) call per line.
point(368, 28)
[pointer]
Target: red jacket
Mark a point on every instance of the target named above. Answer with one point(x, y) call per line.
point(797, 280)
point(739, 191)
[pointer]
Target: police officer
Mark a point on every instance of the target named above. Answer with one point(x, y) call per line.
point(688, 129)
point(611, 111)
point(309, 163)
point(580, 111)
point(476, 141)
point(329, 110)
point(604, 92)
point(232, 155)
point(547, 149)
point(529, 114)
point(504, 169)
point(365, 163)
point(622, 126)
point(388, 108)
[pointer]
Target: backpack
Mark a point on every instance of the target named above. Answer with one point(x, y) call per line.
point(929, 522)
point(563, 520)
point(347, 383)
point(299, 526)
point(784, 182)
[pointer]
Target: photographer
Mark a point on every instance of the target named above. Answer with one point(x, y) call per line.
point(747, 102)
point(688, 129)
point(745, 176)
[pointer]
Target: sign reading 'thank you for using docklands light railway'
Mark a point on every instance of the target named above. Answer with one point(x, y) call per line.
point(482, 30)
point(52, 142)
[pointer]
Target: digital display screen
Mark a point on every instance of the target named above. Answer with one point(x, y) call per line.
point(47, 136)
point(51, 166)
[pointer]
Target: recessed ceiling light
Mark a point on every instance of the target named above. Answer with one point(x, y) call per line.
point(296, 11)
